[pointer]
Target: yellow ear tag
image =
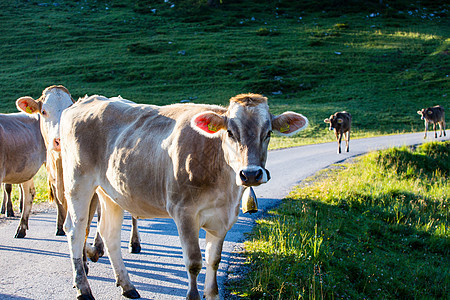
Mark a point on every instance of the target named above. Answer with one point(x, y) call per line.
point(285, 129)
point(28, 110)
point(212, 128)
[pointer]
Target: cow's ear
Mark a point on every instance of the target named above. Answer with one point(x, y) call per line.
point(327, 120)
point(430, 112)
point(289, 123)
point(419, 112)
point(340, 121)
point(28, 105)
point(208, 123)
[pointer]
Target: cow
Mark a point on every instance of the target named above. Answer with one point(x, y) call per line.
point(341, 123)
point(54, 100)
point(435, 114)
point(188, 162)
point(22, 153)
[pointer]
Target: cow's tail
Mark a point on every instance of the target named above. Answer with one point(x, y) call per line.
point(51, 196)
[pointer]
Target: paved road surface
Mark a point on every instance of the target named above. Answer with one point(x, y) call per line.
point(38, 266)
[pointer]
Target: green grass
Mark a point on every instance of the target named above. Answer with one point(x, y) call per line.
point(377, 228)
point(312, 57)
point(40, 184)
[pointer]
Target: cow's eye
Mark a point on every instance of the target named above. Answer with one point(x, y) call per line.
point(269, 134)
point(44, 113)
point(230, 134)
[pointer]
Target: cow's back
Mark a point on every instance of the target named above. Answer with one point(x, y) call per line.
point(22, 148)
point(347, 121)
point(438, 114)
point(148, 153)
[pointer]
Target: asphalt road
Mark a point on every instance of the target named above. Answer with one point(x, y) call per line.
point(38, 266)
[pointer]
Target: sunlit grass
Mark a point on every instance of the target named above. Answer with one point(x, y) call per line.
point(374, 228)
point(41, 186)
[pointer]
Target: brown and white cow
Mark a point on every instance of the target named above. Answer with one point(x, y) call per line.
point(341, 123)
point(22, 153)
point(54, 100)
point(189, 162)
point(435, 115)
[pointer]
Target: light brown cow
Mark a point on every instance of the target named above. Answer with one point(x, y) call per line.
point(54, 100)
point(341, 123)
point(22, 153)
point(189, 162)
point(435, 115)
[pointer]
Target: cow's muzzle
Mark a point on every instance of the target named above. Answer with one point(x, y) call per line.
point(253, 176)
point(57, 144)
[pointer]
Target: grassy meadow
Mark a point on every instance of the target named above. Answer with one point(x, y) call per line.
point(377, 228)
point(380, 62)
point(380, 234)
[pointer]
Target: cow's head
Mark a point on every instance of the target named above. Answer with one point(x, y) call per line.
point(50, 106)
point(245, 131)
point(334, 121)
point(425, 113)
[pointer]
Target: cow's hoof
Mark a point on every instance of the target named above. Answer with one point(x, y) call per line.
point(100, 251)
point(85, 297)
point(20, 234)
point(131, 294)
point(135, 248)
point(94, 256)
point(10, 214)
point(60, 232)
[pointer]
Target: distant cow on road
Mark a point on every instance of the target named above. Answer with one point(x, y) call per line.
point(189, 162)
point(22, 153)
point(435, 114)
point(341, 123)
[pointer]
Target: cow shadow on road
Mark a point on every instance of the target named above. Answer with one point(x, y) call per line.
point(11, 297)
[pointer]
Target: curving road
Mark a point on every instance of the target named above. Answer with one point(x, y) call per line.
point(38, 266)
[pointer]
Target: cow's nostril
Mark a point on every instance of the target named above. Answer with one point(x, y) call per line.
point(243, 177)
point(259, 175)
point(57, 144)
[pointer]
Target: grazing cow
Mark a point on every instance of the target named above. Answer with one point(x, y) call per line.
point(22, 153)
point(341, 123)
point(435, 114)
point(54, 100)
point(189, 162)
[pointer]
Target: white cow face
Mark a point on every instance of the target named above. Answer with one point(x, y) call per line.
point(50, 105)
point(245, 131)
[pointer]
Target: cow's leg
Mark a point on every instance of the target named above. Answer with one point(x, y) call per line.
point(347, 141)
point(434, 128)
point(4, 200)
point(442, 128)
point(338, 139)
point(29, 192)
point(7, 206)
point(97, 250)
point(60, 209)
point(213, 254)
point(21, 199)
point(135, 240)
point(110, 227)
point(78, 196)
point(426, 129)
point(188, 230)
